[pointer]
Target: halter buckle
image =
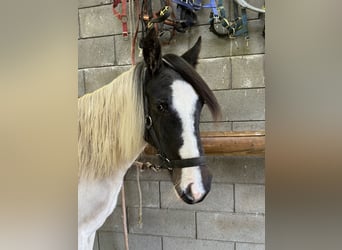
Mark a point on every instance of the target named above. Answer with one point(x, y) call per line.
point(166, 162)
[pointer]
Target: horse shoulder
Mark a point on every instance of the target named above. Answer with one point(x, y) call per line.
point(96, 201)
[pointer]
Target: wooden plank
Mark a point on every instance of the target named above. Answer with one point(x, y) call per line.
point(229, 143)
point(232, 133)
point(251, 145)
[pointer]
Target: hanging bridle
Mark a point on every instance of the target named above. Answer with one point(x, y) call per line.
point(151, 137)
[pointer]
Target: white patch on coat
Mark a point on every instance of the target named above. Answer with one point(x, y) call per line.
point(184, 99)
point(97, 199)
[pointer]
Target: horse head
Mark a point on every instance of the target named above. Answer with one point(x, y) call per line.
point(174, 94)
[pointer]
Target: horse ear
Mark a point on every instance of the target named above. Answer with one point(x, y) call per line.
point(152, 51)
point(191, 56)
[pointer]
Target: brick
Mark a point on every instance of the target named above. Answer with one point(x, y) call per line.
point(98, 21)
point(220, 198)
point(231, 227)
point(163, 222)
point(256, 3)
point(256, 42)
point(249, 246)
point(98, 77)
point(170, 243)
point(203, 16)
point(95, 52)
point(81, 87)
point(114, 221)
point(215, 126)
point(123, 51)
point(249, 198)
point(240, 105)
point(96, 242)
point(111, 240)
point(149, 191)
point(179, 44)
point(249, 126)
point(216, 72)
point(88, 3)
point(248, 71)
point(213, 46)
point(234, 169)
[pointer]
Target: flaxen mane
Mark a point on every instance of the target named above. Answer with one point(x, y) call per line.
point(111, 125)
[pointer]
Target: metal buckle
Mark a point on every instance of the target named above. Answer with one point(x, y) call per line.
point(124, 19)
point(149, 25)
point(225, 23)
point(125, 35)
point(166, 161)
point(164, 10)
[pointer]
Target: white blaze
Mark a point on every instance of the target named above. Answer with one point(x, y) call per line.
point(184, 99)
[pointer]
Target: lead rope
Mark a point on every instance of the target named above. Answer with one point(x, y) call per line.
point(123, 194)
point(124, 215)
point(140, 221)
point(139, 165)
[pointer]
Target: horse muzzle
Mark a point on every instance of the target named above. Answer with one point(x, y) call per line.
point(194, 190)
point(191, 196)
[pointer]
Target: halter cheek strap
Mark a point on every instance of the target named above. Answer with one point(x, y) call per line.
point(151, 137)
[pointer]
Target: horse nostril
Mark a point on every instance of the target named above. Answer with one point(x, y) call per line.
point(188, 193)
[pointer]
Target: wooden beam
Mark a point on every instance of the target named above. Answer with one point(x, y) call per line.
point(230, 143)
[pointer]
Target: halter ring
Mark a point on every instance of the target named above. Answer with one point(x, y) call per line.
point(148, 122)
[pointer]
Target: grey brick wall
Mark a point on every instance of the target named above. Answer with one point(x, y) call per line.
point(232, 216)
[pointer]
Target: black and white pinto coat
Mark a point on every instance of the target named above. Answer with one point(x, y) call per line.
point(111, 131)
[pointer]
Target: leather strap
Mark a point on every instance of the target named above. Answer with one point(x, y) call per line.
point(151, 137)
point(123, 16)
point(181, 163)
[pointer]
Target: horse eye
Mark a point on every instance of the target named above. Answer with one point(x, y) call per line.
point(162, 107)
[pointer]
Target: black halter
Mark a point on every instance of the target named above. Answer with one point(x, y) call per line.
point(151, 137)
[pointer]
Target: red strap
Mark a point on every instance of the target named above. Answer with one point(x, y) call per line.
point(122, 17)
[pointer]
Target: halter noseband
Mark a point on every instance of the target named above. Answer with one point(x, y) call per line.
point(150, 133)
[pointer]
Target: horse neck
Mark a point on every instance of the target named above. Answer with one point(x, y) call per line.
point(111, 122)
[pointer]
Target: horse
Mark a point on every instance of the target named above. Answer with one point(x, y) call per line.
point(158, 101)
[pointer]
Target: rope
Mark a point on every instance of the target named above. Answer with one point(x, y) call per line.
point(140, 221)
point(124, 216)
point(139, 166)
